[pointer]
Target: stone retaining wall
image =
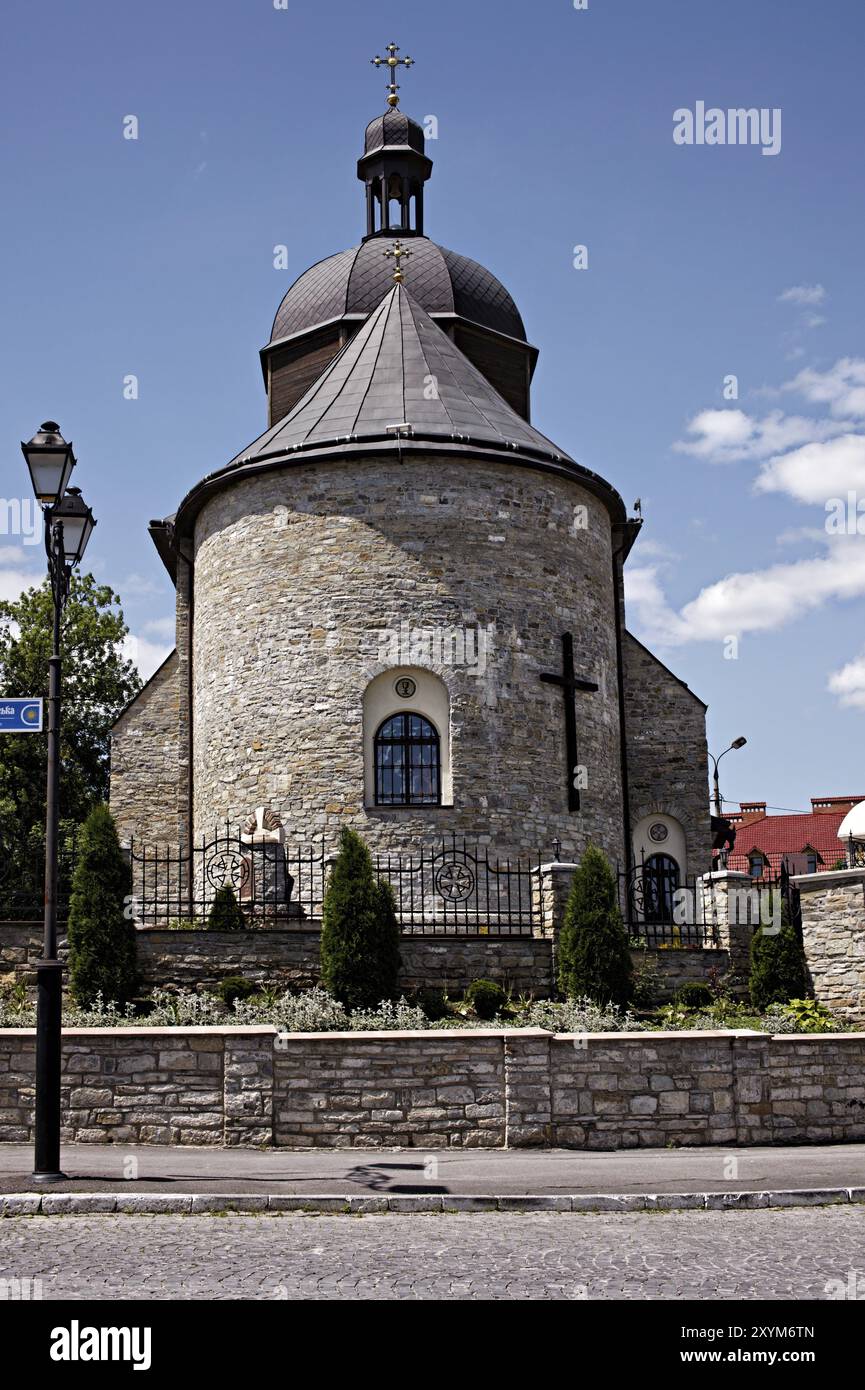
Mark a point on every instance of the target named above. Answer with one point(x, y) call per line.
point(447, 1088)
point(833, 933)
point(288, 959)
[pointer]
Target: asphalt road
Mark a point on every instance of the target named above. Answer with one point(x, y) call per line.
point(106, 1168)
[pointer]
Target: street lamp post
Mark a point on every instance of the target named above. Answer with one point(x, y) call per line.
point(68, 527)
point(737, 743)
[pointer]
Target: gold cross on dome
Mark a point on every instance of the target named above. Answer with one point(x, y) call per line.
point(399, 253)
point(392, 62)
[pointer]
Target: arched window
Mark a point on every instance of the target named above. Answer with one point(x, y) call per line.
point(407, 762)
point(660, 881)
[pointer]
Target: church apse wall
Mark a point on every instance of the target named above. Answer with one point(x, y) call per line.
point(144, 759)
point(667, 761)
point(312, 582)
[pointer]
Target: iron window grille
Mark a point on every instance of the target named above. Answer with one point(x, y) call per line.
point(407, 762)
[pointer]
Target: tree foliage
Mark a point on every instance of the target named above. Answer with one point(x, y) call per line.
point(102, 943)
point(225, 912)
point(98, 681)
point(360, 935)
point(594, 956)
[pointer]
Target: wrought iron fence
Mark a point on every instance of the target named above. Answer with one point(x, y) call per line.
point(22, 878)
point(452, 889)
point(273, 884)
point(660, 908)
point(457, 890)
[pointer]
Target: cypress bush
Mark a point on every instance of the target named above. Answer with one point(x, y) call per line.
point(225, 912)
point(360, 935)
point(102, 947)
point(594, 955)
point(779, 971)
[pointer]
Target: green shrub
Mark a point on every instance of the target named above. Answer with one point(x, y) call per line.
point(594, 956)
point(695, 996)
point(778, 968)
point(359, 936)
point(434, 1003)
point(486, 998)
point(235, 987)
point(809, 1016)
point(225, 912)
point(102, 947)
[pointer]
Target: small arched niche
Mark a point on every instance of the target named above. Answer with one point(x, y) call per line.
point(660, 834)
point(392, 740)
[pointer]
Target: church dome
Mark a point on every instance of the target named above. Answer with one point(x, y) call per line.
point(393, 129)
point(356, 281)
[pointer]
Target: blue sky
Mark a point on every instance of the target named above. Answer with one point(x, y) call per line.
point(154, 257)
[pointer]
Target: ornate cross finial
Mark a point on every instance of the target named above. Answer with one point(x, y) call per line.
point(392, 62)
point(399, 253)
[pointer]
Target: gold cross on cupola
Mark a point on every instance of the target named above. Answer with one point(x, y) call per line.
point(392, 62)
point(399, 253)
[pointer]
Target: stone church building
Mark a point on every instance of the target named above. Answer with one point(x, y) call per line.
point(401, 607)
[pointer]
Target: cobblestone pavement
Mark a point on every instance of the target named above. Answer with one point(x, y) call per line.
point(706, 1255)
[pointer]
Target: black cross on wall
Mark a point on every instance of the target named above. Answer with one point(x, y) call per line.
point(570, 683)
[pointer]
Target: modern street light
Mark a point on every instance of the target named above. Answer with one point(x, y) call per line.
point(68, 526)
point(737, 743)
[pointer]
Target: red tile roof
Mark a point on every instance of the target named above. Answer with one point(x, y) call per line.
point(777, 836)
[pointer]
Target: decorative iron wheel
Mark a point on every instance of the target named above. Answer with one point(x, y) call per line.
point(227, 870)
point(454, 882)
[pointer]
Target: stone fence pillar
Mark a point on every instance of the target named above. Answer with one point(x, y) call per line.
point(551, 885)
point(731, 904)
point(833, 934)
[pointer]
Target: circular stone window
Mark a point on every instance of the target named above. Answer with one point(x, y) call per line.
point(658, 832)
point(405, 687)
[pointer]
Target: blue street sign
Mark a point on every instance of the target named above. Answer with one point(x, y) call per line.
point(20, 716)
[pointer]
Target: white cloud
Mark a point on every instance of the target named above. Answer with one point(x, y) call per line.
point(849, 683)
point(162, 627)
point(842, 387)
point(15, 572)
point(726, 436)
point(144, 654)
point(803, 294)
point(750, 601)
point(817, 472)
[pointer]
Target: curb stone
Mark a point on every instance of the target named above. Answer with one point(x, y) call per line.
point(203, 1204)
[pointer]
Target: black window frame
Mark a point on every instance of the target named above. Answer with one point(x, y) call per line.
point(409, 742)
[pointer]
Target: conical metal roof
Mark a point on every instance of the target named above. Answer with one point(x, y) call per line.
point(401, 385)
point(402, 369)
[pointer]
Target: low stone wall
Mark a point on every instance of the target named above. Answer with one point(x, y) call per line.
point(289, 959)
point(448, 1088)
point(833, 934)
point(674, 968)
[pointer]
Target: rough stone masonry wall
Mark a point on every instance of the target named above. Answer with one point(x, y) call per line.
point(442, 1088)
point(144, 760)
point(667, 753)
point(298, 573)
point(833, 933)
point(290, 959)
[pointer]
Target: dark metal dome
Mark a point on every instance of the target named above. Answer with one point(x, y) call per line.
point(394, 128)
point(356, 281)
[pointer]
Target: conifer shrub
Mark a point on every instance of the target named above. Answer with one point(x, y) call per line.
point(102, 943)
point(360, 956)
point(225, 912)
point(779, 971)
point(594, 958)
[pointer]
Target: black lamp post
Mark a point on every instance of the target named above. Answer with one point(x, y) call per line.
point(737, 743)
point(68, 526)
